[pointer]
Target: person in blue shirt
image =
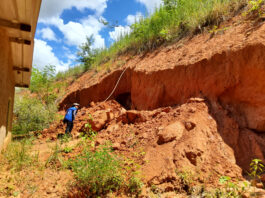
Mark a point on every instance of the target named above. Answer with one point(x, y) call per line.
point(70, 117)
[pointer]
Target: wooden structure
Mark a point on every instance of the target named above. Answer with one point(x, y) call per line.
point(18, 20)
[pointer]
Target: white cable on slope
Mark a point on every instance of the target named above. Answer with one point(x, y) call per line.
point(116, 84)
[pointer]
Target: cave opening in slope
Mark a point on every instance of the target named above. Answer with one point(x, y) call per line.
point(125, 100)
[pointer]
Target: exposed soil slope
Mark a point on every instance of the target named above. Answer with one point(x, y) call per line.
point(227, 68)
point(164, 141)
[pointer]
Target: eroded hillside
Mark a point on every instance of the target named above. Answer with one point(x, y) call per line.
point(226, 68)
point(187, 113)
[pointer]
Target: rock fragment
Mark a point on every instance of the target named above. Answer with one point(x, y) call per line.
point(171, 132)
point(116, 146)
point(190, 125)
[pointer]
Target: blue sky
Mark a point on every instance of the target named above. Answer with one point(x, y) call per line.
point(64, 24)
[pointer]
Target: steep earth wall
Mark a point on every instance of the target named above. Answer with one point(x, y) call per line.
point(236, 79)
point(228, 70)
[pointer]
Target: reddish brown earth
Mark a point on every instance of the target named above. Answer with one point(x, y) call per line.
point(227, 69)
point(197, 105)
point(164, 141)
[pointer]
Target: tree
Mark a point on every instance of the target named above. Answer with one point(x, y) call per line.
point(85, 54)
point(41, 82)
point(36, 112)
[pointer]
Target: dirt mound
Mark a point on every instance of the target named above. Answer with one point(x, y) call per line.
point(170, 140)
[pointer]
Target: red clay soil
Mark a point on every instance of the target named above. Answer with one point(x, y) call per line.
point(197, 105)
point(165, 141)
point(227, 68)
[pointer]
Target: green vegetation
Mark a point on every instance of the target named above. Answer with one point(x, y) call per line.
point(31, 115)
point(55, 160)
point(18, 155)
point(135, 184)
point(173, 21)
point(73, 72)
point(85, 54)
point(34, 112)
point(255, 6)
point(256, 169)
point(230, 188)
point(100, 171)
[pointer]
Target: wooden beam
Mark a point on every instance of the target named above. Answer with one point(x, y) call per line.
point(20, 40)
point(20, 26)
point(22, 85)
point(24, 69)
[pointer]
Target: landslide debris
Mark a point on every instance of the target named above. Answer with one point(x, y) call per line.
point(165, 141)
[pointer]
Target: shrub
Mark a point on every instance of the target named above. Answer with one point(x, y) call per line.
point(255, 5)
point(99, 171)
point(55, 160)
point(135, 184)
point(32, 115)
point(18, 156)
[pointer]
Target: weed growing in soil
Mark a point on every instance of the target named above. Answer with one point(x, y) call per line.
point(256, 169)
point(55, 160)
point(255, 6)
point(99, 171)
point(231, 189)
point(135, 184)
point(18, 156)
point(186, 178)
point(67, 149)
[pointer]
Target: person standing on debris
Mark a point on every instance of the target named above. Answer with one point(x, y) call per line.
point(70, 117)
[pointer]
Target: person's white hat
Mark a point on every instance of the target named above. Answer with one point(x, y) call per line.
point(76, 104)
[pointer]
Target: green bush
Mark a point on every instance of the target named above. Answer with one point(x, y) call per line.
point(73, 72)
point(31, 114)
point(99, 171)
point(18, 154)
point(135, 184)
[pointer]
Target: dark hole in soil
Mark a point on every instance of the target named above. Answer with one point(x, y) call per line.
point(125, 100)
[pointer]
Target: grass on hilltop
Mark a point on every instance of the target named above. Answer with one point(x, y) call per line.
point(171, 22)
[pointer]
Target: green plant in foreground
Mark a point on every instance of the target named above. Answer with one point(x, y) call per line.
point(229, 189)
point(186, 178)
point(255, 5)
point(99, 171)
point(55, 160)
point(135, 184)
point(18, 156)
point(67, 149)
point(31, 115)
point(256, 168)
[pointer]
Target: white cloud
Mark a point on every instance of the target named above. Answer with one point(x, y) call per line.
point(131, 19)
point(54, 8)
point(43, 55)
point(47, 33)
point(118, 32)
point(75, 33)
point(151, 4)
point(69, 55)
